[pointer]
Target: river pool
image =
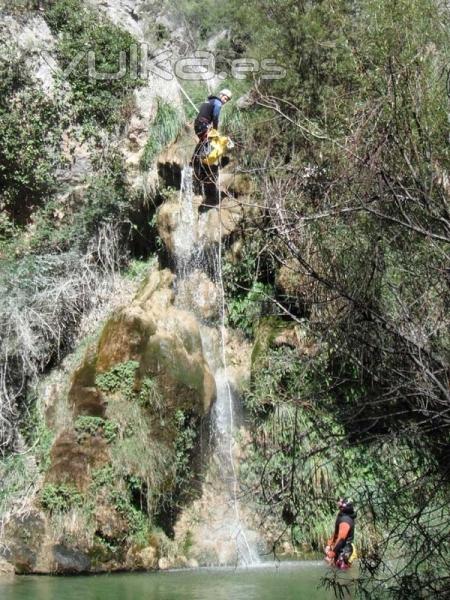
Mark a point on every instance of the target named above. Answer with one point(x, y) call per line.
point(285, 581)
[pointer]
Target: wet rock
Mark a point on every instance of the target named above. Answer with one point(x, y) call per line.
point(84, 397)
point(167, 220)
point(73, 458)
point(70, 560)
point(23, 537)
point(200, 294)
point(6, 568)
point(218, 223)
point(236, 184)
point(164, 564)
point(163, 339)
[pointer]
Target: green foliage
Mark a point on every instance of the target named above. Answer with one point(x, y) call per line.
point(164, 129)
point(105, 201)
point(138, 522)
point(105, 477)
point(86, 425)
point(184, 445)
point(248, 283)
point(104, 549)
point(30, 127)
point(197, 92)
point(138, 269)
point(243, 311)
point(299, 458)
point(205, 18)
point(119, 378)
point(59, 498)
point(98, 100)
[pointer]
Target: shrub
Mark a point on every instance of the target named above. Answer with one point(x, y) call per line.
point(244, 310)
point(150, 394)
point(97, 101)
point(60, 498)
point(119, 378)
point(30, 131)
point(88, 425)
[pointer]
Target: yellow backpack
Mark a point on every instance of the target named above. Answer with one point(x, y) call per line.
point(218, 145)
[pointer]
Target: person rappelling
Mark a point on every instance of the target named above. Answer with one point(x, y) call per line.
point(211, 146)
point(209, 113)
point(340, 550)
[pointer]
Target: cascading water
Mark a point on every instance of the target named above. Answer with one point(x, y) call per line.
point(190, 261)
point(185, 233)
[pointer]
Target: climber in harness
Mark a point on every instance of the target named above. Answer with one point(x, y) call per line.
point(209, 113)
point(211, 146)
point(340, 550)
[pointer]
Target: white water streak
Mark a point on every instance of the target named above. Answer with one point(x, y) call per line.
point(188, 258)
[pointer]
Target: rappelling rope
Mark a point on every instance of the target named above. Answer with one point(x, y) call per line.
point(186, 95)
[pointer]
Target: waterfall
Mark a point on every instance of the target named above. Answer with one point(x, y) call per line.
point(191, 259)
point(185, 233)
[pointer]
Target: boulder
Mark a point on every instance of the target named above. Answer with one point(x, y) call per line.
point(69, 560)
point(167, 220)
point(164, 563)
point(163, 339)
point(6, 568)
point(138, 559)
point(218, 223)
point(22, 539)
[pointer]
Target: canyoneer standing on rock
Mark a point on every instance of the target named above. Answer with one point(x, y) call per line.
point(340, 550)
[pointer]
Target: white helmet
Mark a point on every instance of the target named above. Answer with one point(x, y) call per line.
point(226, 92)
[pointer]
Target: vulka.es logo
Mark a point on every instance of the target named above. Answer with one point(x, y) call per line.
point(141, 63)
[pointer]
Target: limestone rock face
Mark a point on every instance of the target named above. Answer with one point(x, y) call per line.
point(6, 568)
point(209, 227)
point(219, 223)
point(167, 220)
point(146, 559)
point(73, 459)
point(70, 560)
point(28, 548)
point(163, 339)
point(32, 39)
point(22, 540)
point(200, 294)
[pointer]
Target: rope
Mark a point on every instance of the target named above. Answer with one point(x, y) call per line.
point(187, 96)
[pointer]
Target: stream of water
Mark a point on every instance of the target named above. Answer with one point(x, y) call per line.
point(191, 259)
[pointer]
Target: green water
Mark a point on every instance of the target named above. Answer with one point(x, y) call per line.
point(288, 581)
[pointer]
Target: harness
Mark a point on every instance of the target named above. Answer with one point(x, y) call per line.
point(204, 117)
